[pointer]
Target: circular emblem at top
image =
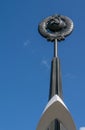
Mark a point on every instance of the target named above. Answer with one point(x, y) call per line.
point(55, 27)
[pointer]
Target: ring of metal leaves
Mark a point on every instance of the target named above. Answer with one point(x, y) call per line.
point(58, 34)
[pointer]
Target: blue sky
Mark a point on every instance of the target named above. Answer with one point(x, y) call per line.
point(25, 59)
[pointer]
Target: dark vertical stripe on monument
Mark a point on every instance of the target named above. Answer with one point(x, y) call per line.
point(55, 79)
point(55, 88)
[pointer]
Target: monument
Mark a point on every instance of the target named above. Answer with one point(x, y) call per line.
point(56, 115)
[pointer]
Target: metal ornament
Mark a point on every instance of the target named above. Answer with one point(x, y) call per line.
point(56, 115)
point(55, 27)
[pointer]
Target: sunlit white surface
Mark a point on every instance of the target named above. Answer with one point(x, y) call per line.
point(82, 128)
point(56, 109)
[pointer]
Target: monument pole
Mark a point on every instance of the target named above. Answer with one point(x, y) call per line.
point(56, 115)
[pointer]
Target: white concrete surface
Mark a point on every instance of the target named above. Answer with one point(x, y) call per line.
point(82, 128)
point(56, 109)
